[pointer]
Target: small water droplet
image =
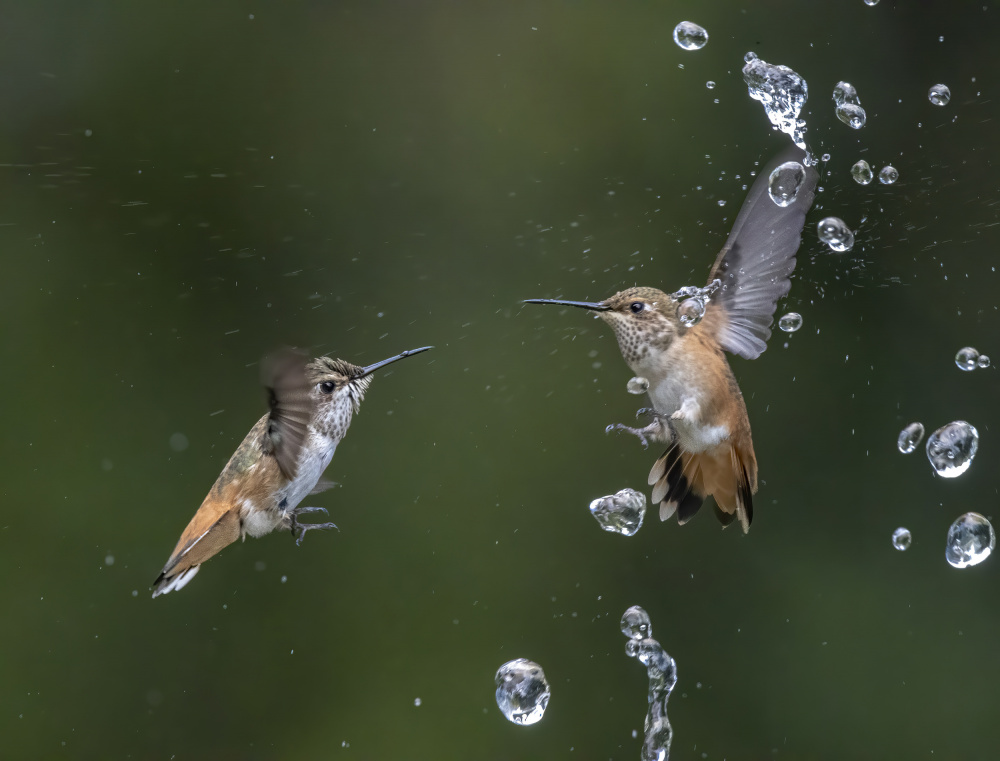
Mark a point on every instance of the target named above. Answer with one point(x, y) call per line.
point(620, 513)
point(109, 559)
point(939, 95)
point(888, 175)
point(952, 447)
point(710, 84)
point(901, 539)
point(691, 311)
point(637, 385)
point(910, 437)
point(871, 2)
point(970, 541)
point(790, 322)
point(416, 702)
point(179, 442)
point(690, 36)
point(967, 359)
point(983, 362)
point(784, 183)
point(834, 233)
point(862, 173)
point(522, 691)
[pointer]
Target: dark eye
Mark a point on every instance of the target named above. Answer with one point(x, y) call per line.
point(327, 387)
point(636, 307)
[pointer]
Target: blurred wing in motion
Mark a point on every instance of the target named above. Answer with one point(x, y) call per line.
point(291, 408)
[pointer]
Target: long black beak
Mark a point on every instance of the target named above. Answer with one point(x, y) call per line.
point(595, 306)
point(372, 368)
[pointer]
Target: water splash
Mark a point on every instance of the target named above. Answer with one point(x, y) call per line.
point(901, 539)
point(939, 95)
point(910, 437)
point(862, 173)
point(690, 311)
point(790, 322)
point(662, 672)
point(970, 541)
point(620, 513)
point(951, 448)
point(522, 691)
point(783, 93)
point(836, 234)
point(690, 36)
point(784, 183)
point(849, 109)
point(967, 359)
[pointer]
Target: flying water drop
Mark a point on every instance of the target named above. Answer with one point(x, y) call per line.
point(951, 448)
point(691, 311)
point(637, 385)
point(690, 36)
point(910, 437)
point(522, 691)
point(781, 91)
point(939, 95)
point(620, 513)
point(983, 362)
point(790, 322)
point(662, 672)
point(849, 109)
point(834, 233)
point(784, 183)
point(901, 539)
point(970, 541)
point(862, 173)
point(967, 359)
point(888, 174)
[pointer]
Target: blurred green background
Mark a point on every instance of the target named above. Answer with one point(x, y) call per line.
point(185, 186)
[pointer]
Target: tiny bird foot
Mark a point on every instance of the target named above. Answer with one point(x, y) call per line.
point(302, 528)
point(638, 432)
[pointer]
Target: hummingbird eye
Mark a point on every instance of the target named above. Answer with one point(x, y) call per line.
point(636, 307)
point(327, 387)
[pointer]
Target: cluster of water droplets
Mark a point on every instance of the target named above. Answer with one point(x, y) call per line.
point(782, 92)
point(522, 691)
point(690, 36)
point(662, 672)
point(910, 437)
point(784, 183)
point(692, 309)
point(790, 322)
point(849, 109)
point(620, 513)
point(970, 541)
point(939, 95)
point(901, 539)
point(835, 233)
point(951, 448)
point(969, 359)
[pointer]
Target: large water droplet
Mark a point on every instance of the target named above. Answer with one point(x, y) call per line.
point(888, 175)
point(784, 183)
point(852, 115)
point(844, 92)
point(620, 513)
point(939, 95)
point(522, 691)
point(781, 91)
point(862, 173)
point(790, 322)
point(910, 437)
point(901, 539)
point(967, 359)
point(690, 36)
point(637, 385)
point(691, 311)
point(834, 233)
point(970, 541)
point(951, 448)
point(662, 672)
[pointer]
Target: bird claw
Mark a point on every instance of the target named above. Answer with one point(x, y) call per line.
point(302, 528)
point(638, 432)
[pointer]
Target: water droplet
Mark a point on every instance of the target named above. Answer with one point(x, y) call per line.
point(951, 448)
point(522, 691)
point(784, 183)
point(901, 539)
point(852, 115)
point(109, 559)
point(416, 702)
point(888, 175)
point(862, 173)
point(620, 513)
point(178, 442)
point(790, 322)
point(910, 437)
point(690, 36)
point(637, 385)
point(825, 157)
point(967, 359)
point(939, 95)
point(970, 541)
point(710, 84)
point(834, 233)
point(691, 311)
point(844, 92)
point(871, 2)
point(984, 362)
point(781, 91)
point(662, 672)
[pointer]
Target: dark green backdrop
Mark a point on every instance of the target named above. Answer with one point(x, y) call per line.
point(185, 186)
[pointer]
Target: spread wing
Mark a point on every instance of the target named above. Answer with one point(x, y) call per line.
point(284, 377)
point(758, 258)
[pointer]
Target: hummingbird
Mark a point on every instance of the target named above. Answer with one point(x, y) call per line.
point(698, 409)
point(279, 463)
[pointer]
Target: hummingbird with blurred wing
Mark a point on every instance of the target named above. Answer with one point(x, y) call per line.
point(698, 408)
point(280, 461)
